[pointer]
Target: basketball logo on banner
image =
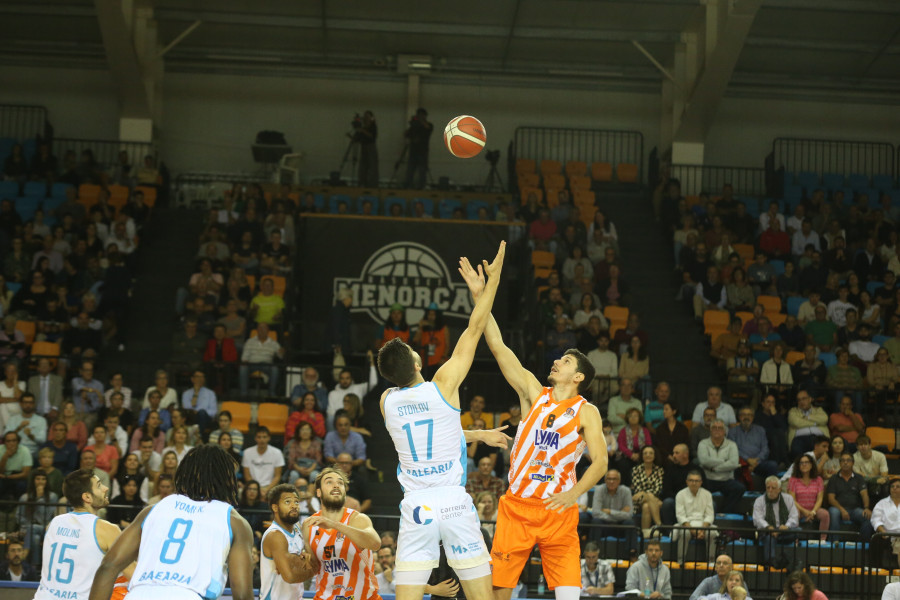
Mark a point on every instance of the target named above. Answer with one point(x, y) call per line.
point(410, 274)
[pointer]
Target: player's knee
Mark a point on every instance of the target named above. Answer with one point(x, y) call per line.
point(470, 573)
point(412, 577)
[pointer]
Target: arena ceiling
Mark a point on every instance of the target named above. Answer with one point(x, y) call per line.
point(800, 47)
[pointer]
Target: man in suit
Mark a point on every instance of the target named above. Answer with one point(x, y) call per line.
point(47, 388)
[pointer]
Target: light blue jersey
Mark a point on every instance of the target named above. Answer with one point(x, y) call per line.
point(71, 556)
point(184, 545)
point(428, 437)
point(272, 586)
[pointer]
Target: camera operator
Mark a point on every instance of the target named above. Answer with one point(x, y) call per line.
point(365, 136)
point(418, 136)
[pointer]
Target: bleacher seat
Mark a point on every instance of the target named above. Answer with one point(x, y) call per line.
point(858, 180)
point(793, 193)
point(793, 304)
point(150, 196)
point(828, 359)
point(626, 173)
point(9, 190)
point(529, 180)
point(576, 168)
point(745, 251)
point(554, 181)
point(715, 321)
point(26, 206)
point(543, 258)
point(240, 414)
point(28, 329)
point(776, 319)
point(273, 416)
point(874, 286)
point(29, 148)
point(551, 167)
point(51, 204)
point(35, 189)
point(118, 196)
point(883, 183)
point(832, 181)
point(446, 207)
point(584, 198)
point(772, 304)
point(6, 146)
point(808, 180)
point(880, 339)
point(601, 171)
point(525, 165)
point(59, 190)
point(778, 265)
point(793, 357)
point(391, 201)
point(579, 183)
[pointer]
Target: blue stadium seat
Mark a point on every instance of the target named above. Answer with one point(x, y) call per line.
point(51, 204)
point(13, 286)
point(858, 180)
point(828, 359)
point(883, 182)
point(336, 199)
point(446, 207)
point(793, 193)
point(832, 181)
point(9, 190)
point(808, 180)
point(391, 201)
point(29, 149)
point(58, 190)
point(778, 265)
point(26, 206)
point(872, 193)
point(473, 206)
point(35, 189)
point(793, 304)
point(752, 205)
point(427, 205)
point(880, 339)
point(874, 286)
point(895, 197)
point(6, 145)
point(849, 196)
point(363, 199)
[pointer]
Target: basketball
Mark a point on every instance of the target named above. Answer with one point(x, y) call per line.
point(464, 136)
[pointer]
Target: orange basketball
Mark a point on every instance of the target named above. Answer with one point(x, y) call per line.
point(464, 136)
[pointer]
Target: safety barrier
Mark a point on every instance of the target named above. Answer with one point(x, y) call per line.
point(589, 145)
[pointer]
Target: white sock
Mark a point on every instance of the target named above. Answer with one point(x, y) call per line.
point(567, 592)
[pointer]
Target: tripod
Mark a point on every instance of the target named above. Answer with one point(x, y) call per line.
point(350, 154)
point(399, 163)
point(493, 181)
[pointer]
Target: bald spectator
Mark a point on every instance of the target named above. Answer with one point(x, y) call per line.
point(713, 583)
point(714, 401)
point(674, 480)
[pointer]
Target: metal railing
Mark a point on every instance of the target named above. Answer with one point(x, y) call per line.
point(698, 179)
point(22, 122)
point(106, 152)
point(834, 156)
point(588, 145)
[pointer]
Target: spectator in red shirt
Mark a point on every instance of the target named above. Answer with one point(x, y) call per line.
point(542, 230)
point(774, 242)
point(307, 414)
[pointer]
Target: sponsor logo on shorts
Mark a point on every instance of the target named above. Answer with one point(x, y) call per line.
point(504, 556)
point(540, 477)
point(544, 439)
point(453, 512)
point(422, 515)
point(472, 547)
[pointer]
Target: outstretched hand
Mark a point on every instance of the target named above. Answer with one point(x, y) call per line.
point(496, 437)
point(493, 269)
point(474, 279)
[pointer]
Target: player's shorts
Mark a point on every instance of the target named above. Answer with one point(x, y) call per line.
point(522, 523)
point(432, 515)
point(155, 592)
point(120, 589)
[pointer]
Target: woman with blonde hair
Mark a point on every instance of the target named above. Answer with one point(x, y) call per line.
point(733, 582)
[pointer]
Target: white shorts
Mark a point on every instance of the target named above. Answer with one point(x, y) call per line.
point(169, 592)
point(434, 515)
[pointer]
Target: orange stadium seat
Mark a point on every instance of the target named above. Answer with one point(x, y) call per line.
point(46, 349)
point(584, 198)
point(587, 213)
point(273, 335)
point(554, 182)
point(627, 173)
point(272, 415)
point(715, 320)
point(776, 319)
point(579, 182)
point(88, 194)
point(542, 258)
point(529, 180)
point(552, 195)
point(525, 165)
point(575, 168)
point(118, 196)
point(28, 329)
point(240, 415)
point(601, 171)
point(882, 436)
point(744, 316)
point(772, 304)
point(745, 251)
point(550, 167)
point(149, 194)
point(793, 357)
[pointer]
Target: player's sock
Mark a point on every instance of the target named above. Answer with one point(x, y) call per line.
point(567, 592)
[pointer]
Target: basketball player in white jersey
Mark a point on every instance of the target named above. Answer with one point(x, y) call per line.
point(423, 419)
point(75, 542)
point(279, 542)
point(539, 506)
point(188, 543)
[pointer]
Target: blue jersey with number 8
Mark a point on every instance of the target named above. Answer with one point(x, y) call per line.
point(428, 437)
point(185, 543)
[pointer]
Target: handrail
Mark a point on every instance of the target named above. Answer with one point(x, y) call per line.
point(842, 157)
point(106, 152)
point(710, 179)
point(23, 121)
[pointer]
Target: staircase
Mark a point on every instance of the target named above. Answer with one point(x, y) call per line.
point(678, 352)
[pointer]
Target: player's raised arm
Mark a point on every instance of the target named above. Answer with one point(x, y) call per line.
point(451, 374)
point(122, 553)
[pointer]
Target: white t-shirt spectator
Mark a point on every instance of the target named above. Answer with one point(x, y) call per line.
point(262, 466)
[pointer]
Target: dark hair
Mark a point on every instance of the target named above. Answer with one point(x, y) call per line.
point(300, 426)
point(274, 495)
point(642, 351)
point(591, 547)
point(696, 472)
point(583, 366)
point(262, 429)
point(32, 492)
point(813, 472)
point(654, 543)
point(145, 428)
point(802, 578)
point(225, 413)
point(244, 492)
point(396, 363)
point(329, 471)
point(76, 484)
point(672, 406)
point(207, 473)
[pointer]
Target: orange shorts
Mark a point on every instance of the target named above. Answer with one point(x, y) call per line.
point(522, 523)
point(120, 589)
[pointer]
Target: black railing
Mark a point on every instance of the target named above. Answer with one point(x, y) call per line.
point(106, 152)
point(23, 122)
point(841, 157)
point(588, 145)
point(709, 179)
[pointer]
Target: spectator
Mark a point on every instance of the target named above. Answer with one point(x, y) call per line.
point(129, 504)
point(267, 306)
point(635, 365)
point(799, 586)
point(310, 383)
point(892, 345)
point(65, 453)
point(742, 370)
point(151, 429)
point(165, 486)
point(805, 423)
point(16, 568)
point(357, 492)
point(752, 445)
point(844, 378)
point(11, 390)
point(47, 388)
point(303, 454)
point(188, 345)
point(739, 293)
point(775, 424)
point(882, 377)
point(115, 407)
point(308, 413)
point(107, 455)
point(775, 373)
point(259, 354)
point(221, 353)
point(670, 432)
point(863, 348)
point(237, 438)
point(253, 508)
point(588, 309)
point(225, 442)
point(694, 508)
point(833, 463)
point(837, 309)
point(710, 585)
point(613, 509)
point(848, 499)
point(385, 579)
point(179, 443)
point(15, 464)
point(872, 465)
point(597, 577)
point(486, 506)
point(809, 373)
point(31, 427)
point(131, 467)
point(619, 405)
point(346, 385)
point(777, 519)
point(432, 341)
point(632, 439)
point(167, 395)
point(82, 340)
point(762, 341)
point(200, 401)
point(76, 429)
point(725, 345)
point(674, 480)
point(724, 412)
point(808, 491)
point(344, 441)
point(154, 401)
point(846, 423)
point(35, 516)
point(115, 435)
point(483, 481)
point(262, 463)
point(821, 332)
point(732, 589)
point(886, 518)
point(650, 574)
point(791, 333)
point(710, 294)
point(701, 430)
point(646, 487)
point(359, 421)
point(718, 457)
point(560, 338)
point(606, 369)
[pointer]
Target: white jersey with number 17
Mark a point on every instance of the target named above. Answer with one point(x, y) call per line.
point(428, 437)
point(184, 544)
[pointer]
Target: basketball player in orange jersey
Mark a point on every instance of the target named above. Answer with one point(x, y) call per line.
point(342, 542)
point(540, 505)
